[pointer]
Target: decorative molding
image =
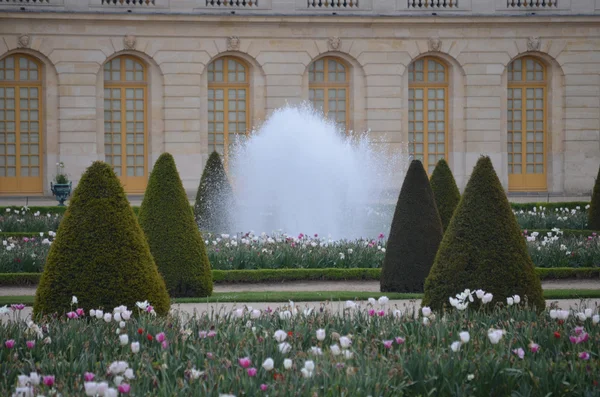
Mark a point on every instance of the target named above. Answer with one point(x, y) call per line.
point(334, 43)
point(233, 43)
point(129, 42)
point(24, 41)
point(533, 44)
point(435, 44)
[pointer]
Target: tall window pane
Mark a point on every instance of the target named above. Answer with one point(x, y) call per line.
point(329, 88)
point(427, 111)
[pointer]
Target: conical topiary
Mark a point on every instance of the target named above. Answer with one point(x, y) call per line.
point(594, 211)
point(214, 200)
point(445, 191)
point(100, 254)
point(175, 241)
point(483, 248)
point(414, 237)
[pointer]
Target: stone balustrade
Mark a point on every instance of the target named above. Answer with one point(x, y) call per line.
point(314, 7)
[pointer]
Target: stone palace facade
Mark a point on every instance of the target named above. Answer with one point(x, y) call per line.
point(126, 80)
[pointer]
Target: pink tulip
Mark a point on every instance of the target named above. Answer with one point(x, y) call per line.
point(164, 344)
point(80, 312)
point(584, 355)
point(578, 330)
point(388, 344)
point(124, 388)
point(30, 344)
point(202, 334)
point(245, 362)
point(252, 371)
point(209, 355)
point(381, 313)
point(149, 309)
point(519, 352)
point(25, 239)
point(400, 340)
point(161, 337)
point(17, 306)
point(49, 380)
point(10, 343)
point(371, 312)
point(212, 334)
point(534, 347)
point(264, 387)
point(88, 376)
point(72, 315)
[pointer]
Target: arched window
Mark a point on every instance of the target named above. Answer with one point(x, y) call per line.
point(125, 121)
point(428, 111)
point(527, 85)
point(328, 89)
point(228, 104)
point(20, 124)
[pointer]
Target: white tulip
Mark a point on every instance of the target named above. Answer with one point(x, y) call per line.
point(287, 363)
point(74, 300)
point(135, 347)
point(306, 373)
point(91, 388)
point(92, 313)
point(553, 314)
point(124, 339)
point(517, 299)
point(495, 335)
point(345, 342)
point(321, 334)
point(480, 293)
point(284, 347)
point(596, 319)
point(372, 301)
point(111, 392)
point(383, 300)
point(465, 337)
point(588, 313)
point(280, 335)
point(107, 317)
point(455, 346)
point(426, 311)
point(510, 301)
point(129, 373)
point(34, 378)
point(101, 388)
point(335, 350)
point(99, 314)
point(255, 314)
point(581, 316)
point(309, 365)
point(348, 354)
point(118, 380)
point(487, 298)
point(268, 364)
point(350, 304)
point(316, 351)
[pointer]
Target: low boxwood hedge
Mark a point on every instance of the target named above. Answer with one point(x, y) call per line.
point(281, 275)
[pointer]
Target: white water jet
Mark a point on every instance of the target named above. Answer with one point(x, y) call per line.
point(299, 174)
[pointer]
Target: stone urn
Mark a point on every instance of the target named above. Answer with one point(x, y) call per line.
point(61, 191)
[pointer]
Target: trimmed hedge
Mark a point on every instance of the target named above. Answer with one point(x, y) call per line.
point(281, 275)
point(415, 235)
point(172, 234)
point(594, 212)
point(445, 191)
point(100, 253)
point(483, 247)
point(214, 199)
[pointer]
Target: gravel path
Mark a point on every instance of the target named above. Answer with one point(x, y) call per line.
point(366, 286)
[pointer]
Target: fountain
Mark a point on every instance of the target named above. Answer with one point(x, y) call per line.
point(299, 174)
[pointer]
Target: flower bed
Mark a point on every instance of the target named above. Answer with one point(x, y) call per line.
point(252, 252)
point(370, 348)
point(549, 218)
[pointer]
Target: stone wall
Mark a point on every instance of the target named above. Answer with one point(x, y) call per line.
point(177, 49)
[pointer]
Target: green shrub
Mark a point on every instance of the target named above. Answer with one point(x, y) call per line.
point(445, 192)
point(414, 237)
point(483, 247)
point(173, 236)
point(100, 254)
point(594, 211)
point(214, 200)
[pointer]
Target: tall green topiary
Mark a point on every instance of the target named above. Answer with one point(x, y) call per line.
point(175, 241)
point(483, 247)
point(414, 237)
point(214, 200)
point(100, 253)
point(445, 191)
point(594, 211)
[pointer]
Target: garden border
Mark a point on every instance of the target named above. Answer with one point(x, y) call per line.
point(282, 275)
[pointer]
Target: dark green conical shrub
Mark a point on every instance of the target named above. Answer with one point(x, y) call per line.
point(594, 211)
point(414, 237)
point(445, 191)
point(175, 241)
point(483, 248)
point(100, 253)
point(214, 200)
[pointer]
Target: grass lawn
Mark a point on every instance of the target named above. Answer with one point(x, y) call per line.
point(307, 296)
